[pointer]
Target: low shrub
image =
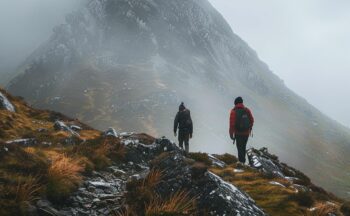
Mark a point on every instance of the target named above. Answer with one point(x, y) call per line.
point(303, 199)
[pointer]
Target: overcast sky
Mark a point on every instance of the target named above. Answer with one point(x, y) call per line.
point(306, 43)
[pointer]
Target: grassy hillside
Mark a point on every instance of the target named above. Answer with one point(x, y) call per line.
point(57, 163)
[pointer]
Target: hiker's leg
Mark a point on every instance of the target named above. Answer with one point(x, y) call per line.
point(187, 145)
point(241, 147)
point(244, 147)
point(181, 140)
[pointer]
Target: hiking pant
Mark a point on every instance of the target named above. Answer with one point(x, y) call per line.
point(184, 137)
point(241, 143)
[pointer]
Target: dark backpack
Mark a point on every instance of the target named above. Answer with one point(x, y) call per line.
point(242, 120)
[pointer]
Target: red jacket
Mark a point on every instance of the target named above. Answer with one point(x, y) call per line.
point(233, 121)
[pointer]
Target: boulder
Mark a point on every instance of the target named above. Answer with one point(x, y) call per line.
point(59, 125)
point(264, 161)
point(111, 132)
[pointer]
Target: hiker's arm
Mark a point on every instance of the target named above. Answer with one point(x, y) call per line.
point(232, 123)
point(176, 122)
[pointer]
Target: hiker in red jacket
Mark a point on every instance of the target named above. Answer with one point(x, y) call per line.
point(241, 125)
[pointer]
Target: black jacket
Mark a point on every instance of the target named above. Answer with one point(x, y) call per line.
point(183, 121)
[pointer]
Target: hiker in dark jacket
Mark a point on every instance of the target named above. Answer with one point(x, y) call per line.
point(241, 125)
point(183, 122)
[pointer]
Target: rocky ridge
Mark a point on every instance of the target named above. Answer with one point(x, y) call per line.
point(103, 193)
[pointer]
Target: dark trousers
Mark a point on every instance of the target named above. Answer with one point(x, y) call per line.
point(184, 137)
point(241, 143)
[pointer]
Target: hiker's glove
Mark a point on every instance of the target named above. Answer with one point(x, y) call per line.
point(190, 136)
point(175, 134)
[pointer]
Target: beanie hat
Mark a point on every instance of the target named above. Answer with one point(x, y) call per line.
point(238, 100)
point(182, 106)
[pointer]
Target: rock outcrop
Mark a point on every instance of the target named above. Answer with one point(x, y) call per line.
point(6, 104)
point(103, 193)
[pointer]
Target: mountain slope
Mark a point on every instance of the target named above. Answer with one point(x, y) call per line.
point(129, 63)
point(51, 167)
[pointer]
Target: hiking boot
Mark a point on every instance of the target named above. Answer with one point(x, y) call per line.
point(239, 165)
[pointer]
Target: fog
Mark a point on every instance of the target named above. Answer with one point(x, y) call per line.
point(303, 42)
point(25, 25)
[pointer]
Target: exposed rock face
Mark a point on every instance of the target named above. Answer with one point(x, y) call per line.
point(215, 196)
point(270, 165)
point(6, 104)
point(104, 192)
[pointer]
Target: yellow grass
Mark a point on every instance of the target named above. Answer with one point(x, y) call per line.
point(152, 179)
point(179, 203)
point(272, 198)
point(28, 190)
point(65, 169)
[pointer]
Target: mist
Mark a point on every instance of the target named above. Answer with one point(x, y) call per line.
point(304, 42)
point(25, 25)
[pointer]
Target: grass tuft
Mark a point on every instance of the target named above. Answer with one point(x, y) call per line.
point(28, 190)
point(64, 176)
point(180, 203)
point(302, 198)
